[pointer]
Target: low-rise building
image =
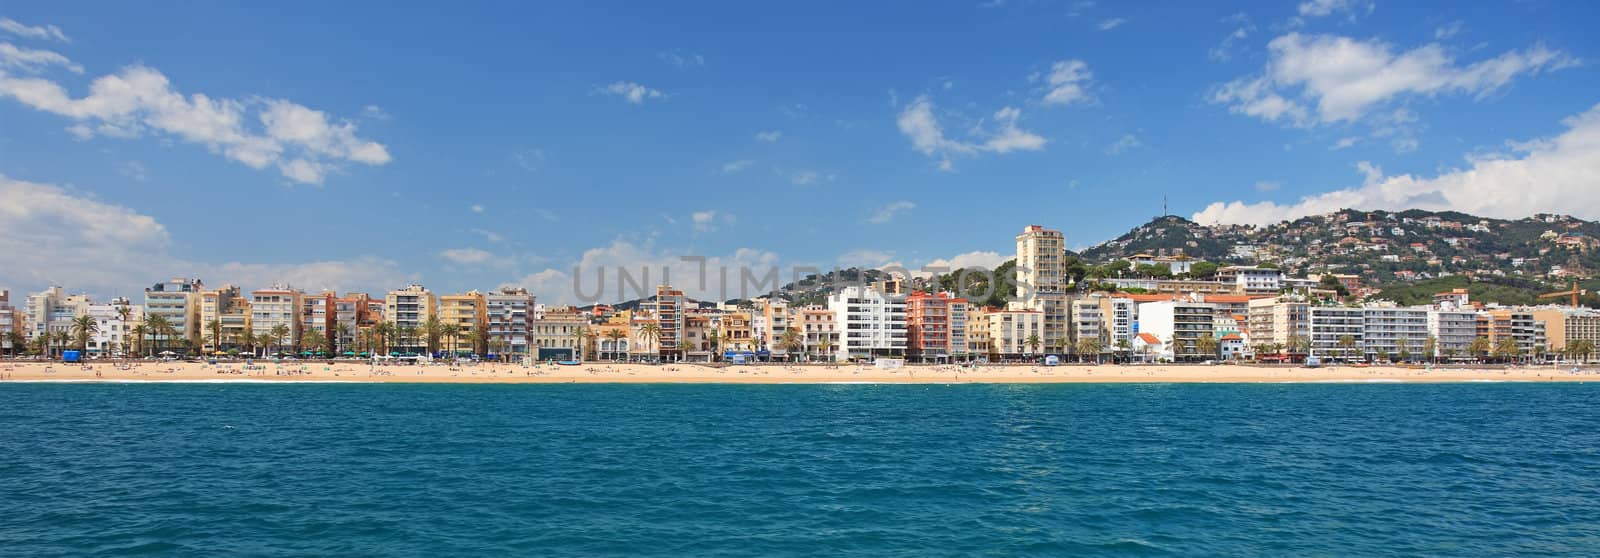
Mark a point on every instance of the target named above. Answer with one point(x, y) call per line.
point(1015, 332)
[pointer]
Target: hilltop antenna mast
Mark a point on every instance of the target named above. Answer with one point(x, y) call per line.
point(1164, 211)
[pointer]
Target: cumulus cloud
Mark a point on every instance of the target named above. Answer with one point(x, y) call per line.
point(865, 257)
point(55, 236)
point(809, 177)
point(681, 58)
point(710, 219)
point(33, 60)
point(40, 32)
point(303, 143)
point(1068, 83)
point(467, 256)
point(919, 124)
point(1321, 8)
point(889, 211)
point(1321, 79)
point(1549, 175)
point(632, 92)
point(769, 136)
point(733, 167)
point(1124, 143)
point(1110, 24)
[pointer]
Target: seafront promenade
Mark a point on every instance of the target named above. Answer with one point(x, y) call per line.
point(605, 372)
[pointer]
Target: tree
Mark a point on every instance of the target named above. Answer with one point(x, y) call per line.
point(17, 341)
point(715, 342)
point(1033, 342)
point(451, 334)
point(479, 339)
point(340, 332)
point(278, 334)
point(84, 327)
point(430, 331)
point(826, 346)
point(650, 332)
point(1430, 346)
point(792, 342)
point(1507, 348)
point(136, 336)
point(614, 336)
point(1298, 345)
point(215, 327)
point(1208, 345)
point(1179, 347)
point(585, 339)
point(156, 326)
point(1090, 346)
point(383, 333)
point(1202, 270)
point(1479, 347)
point(1347, 343)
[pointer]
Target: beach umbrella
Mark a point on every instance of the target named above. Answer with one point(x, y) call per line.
point(353, 353)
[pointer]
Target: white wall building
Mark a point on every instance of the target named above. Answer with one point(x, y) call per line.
point(1453, 331)
point(871, 324)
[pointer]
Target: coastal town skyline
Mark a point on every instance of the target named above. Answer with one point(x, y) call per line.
point(127, 154)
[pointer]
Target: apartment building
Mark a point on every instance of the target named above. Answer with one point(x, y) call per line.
point(1119, 315)
point(1331, 324)
point(353, 314)
point(775, 319)
point(469, 315)
point(668, 308)
point(872, 323)
point(318, 314)
point(1086, 320)
point(276, 308)
point(1041, 272)
point(228, 307)
point(1518, 324)
point(10, 321)
point(1010, 331)
point(737, 331)
point(1179, 325)
point(1563, 325)
point(555, 333)
point(410, 308)
point(509, 315)
point(1390, 330)
point(978, 343)
point(817, 324)
point(114, 322)
point(1249, 279)
point(936, 327)
point(178, 302)
point(1452, 331)
point(1278, 320)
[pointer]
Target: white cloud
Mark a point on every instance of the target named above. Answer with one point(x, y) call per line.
point(733, 167)
point(769, 136)
point(490, 236)
point(1553, 175)
point(889, 211)
point(140, 99)
point(476, 208)
point(1449, 30)
point(981, 259)
point(918, 123)
point(31, 60)
point(1124, 143)
point(809, 177)
point(1321, 79)
point(1320, 8)
point(710, 219)
point(1068, 81)
point(1110, 24)
point(632, 92)
point(375, 112)
point(1267, 186)
point(529, 159)
point(1344, 142)
point(51, 235)
point(134, 170)
point(467, 256)
point(1223, 52)
point(681, 58)
point(44, 32)
point(595, 275)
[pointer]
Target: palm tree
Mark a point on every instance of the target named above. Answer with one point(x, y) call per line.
point(136, 336)
point(714, 341)
point(1430, 345)
point(479, 340)
point(1347, 343)
point(63, 339)
point(406, 336)
point(1124, 347)
point(792, 342)
point(431, 328)
point(451, 333)
point(1479, 347)
point(1298, 344)
point(1208, 345)
point(17, 342)
point(278, 334)
point(1179, 347)
point(340, 331)
point(614, 336)
point(1507, 348)
point(215, 327)
point(585, 339)
point(156, 326)
point(650, 333)
point(826, 346)
point(1090, 346)
point(1033, 342)
point(84, 327)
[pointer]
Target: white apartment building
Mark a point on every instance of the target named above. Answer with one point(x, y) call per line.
point(178, 302)
point(1388, 330)
point(1278, 320)
point(1087, 321)
point(276, 306)
point(1452, 331)
point(114, 333)
point(1250, 279)
point(871, 323)
point(510, 319)
point(1329, 324)
point(1179, 325)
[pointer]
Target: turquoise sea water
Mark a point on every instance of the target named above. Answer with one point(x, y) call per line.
point(693, 470)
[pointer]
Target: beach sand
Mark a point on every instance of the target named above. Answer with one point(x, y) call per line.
point(604, 372)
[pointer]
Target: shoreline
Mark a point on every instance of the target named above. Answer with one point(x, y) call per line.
point(682, 373)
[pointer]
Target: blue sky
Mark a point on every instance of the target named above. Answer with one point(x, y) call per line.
point(360, 145)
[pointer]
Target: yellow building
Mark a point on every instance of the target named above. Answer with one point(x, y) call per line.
point(223, 306)
point(467, 313)
point(735, 332)
point(406, 310)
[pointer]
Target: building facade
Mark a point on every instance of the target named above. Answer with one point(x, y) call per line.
point(872, 324)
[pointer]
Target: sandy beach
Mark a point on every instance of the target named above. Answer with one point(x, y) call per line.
point(604, 372)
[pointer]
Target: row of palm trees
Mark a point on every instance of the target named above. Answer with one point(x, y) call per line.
point(650, 333)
